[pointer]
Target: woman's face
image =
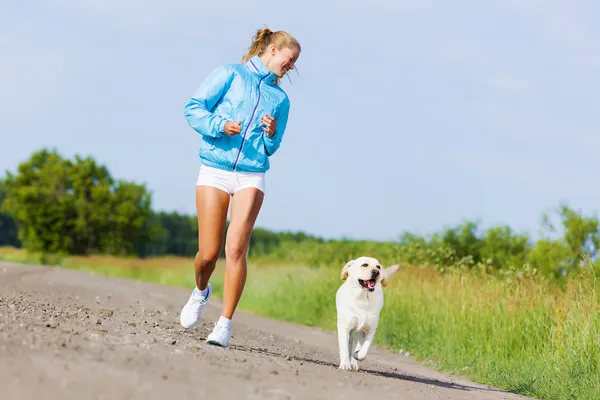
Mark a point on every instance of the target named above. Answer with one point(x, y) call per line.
point(282, 60)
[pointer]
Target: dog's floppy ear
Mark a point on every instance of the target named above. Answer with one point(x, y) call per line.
point(388, 273)
point(345, 270)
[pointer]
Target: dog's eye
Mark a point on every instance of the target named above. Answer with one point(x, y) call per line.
point(365, 265)
point(379, 267)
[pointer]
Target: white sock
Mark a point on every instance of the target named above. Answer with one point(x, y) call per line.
point(226, 322)
point(202, 293)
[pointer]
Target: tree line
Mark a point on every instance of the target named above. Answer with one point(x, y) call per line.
point(56, 205)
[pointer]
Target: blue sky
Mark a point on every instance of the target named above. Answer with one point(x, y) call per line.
point(406, 116)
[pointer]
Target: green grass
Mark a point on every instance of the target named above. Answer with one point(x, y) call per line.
point(527, 335)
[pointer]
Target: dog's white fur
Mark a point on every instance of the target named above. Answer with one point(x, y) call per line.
point(358, 308)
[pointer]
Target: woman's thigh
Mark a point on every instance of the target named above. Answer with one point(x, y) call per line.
point(211, 206)
point(245, 207)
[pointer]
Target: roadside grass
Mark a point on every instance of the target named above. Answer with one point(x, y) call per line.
point(527, 335)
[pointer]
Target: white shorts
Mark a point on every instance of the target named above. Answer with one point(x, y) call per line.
point(230, 181)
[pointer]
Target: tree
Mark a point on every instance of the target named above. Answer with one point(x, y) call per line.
point(8, 226)
point(505, 248)
point(39, 199)
point(462, 239)
point(92, 185)
point(581, 235)
point(580, 238)
point(179, 234)
point(128, 225)
point(76, 207)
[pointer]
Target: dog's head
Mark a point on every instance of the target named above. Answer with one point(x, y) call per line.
point(367, 272)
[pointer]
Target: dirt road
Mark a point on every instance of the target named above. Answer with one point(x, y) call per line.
point(73, 335)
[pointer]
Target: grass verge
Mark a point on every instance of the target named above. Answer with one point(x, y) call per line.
point(529, 335)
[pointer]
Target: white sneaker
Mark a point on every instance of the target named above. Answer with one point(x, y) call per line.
point(190, 314)
point(219, 336)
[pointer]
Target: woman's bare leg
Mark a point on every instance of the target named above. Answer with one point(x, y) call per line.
point(245, 207)
point(211, 206)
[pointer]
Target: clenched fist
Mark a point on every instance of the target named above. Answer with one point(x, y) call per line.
point(233, 128)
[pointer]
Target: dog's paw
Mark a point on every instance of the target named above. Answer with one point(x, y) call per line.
point(351, 365)
point(345, 366)
point(358, 356)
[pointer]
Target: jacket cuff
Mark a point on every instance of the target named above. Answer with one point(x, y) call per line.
point(221, 126)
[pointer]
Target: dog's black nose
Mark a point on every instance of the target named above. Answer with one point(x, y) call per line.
point(375, 273)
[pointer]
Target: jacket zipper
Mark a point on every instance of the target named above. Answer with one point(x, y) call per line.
point(248, 126)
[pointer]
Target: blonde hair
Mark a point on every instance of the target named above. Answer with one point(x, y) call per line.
point(264, 37)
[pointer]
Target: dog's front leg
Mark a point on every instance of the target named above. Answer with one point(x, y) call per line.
point(343, 343)
point(353, 362)
point(364, 347)
point(361, 341)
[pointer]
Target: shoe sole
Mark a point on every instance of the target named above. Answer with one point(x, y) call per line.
point(215, 343)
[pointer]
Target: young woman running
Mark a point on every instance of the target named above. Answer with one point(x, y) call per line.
point(241, 113)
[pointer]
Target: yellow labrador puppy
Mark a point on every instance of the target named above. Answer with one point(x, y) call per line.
point(359, 301)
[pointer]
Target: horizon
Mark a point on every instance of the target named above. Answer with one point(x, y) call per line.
point(109, 80)
point(427, 235)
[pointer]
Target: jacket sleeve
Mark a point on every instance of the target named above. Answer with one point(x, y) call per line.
point(272, 143)
point(198, 110)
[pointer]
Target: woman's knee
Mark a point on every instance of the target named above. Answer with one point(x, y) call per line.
point(235, 250)
point(210, 257)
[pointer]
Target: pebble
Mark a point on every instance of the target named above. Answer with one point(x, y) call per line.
point(105, 312)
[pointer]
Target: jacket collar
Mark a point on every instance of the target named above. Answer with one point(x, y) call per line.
point(256, 66)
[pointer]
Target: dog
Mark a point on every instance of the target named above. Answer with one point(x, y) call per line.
point(359, 301)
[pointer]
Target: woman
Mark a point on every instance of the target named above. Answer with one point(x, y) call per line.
point(241, 114)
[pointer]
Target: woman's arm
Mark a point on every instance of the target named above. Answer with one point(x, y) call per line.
point(272, 143)
point(198, 108)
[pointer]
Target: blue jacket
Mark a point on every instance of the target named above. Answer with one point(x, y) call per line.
point(238, 92)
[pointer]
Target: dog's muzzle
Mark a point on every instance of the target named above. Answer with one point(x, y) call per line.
point(369, 285)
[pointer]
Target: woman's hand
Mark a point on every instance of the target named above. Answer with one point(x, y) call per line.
point(270, 125)
point(232, 128)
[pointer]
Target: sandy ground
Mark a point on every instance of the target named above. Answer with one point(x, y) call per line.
point(73, 335)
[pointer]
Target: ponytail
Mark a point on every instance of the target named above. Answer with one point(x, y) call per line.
point(261, 40)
